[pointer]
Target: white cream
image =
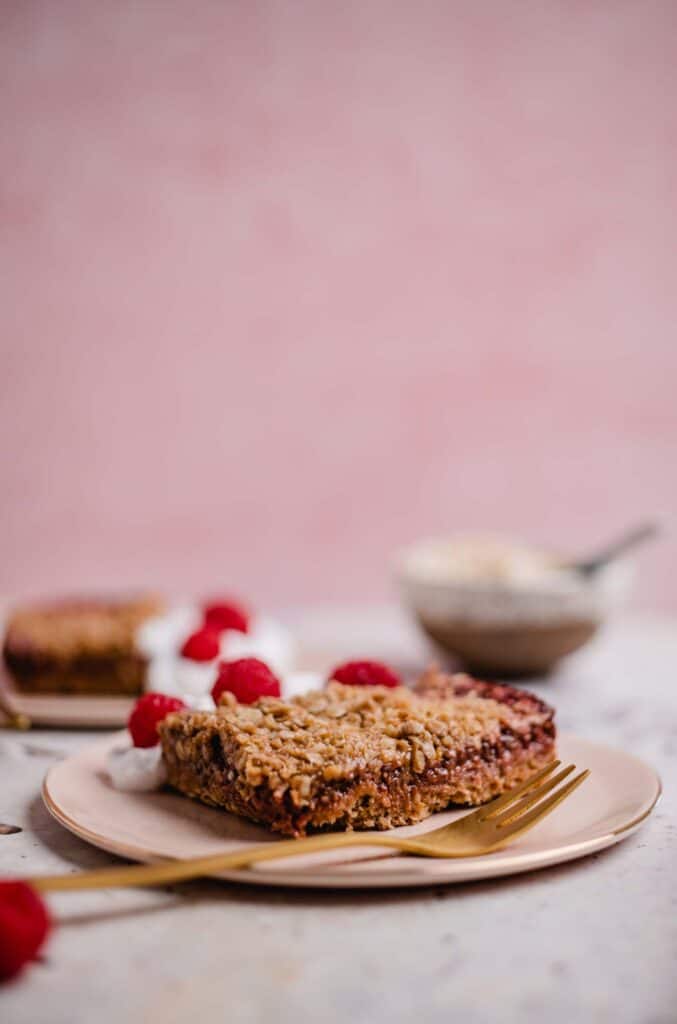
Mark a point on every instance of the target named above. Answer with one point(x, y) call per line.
point(136, 769)
point(164, 634)
point(267, 640)
point(297, 683)
point(160, 639)
point(194, 679)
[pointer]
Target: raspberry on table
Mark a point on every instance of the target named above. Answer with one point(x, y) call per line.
point(247, 679)
point(365, 673)
point(203, 645)
point(222, 615)
point(24, 926)
point(147, 714)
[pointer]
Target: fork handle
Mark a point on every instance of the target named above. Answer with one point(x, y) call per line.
point(167, 872)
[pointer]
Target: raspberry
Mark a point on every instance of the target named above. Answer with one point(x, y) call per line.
point(365, 673)
point(24, 926)
point(247, 679)
point(147, 714)
point(202, 645)
point(220, 615)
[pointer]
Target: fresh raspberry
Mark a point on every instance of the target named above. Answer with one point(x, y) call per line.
point(247, 679)
point(365, 673)
point(220, 615)
point(24, 926)
point(202, 645)
point(147, 714)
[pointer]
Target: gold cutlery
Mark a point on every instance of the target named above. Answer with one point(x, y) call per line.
point(13, 719)
point(592, 564)
point(489, 828)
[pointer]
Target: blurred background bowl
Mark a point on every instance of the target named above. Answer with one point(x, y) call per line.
point(514, 620)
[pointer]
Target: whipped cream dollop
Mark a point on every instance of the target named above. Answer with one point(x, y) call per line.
point(142, 770)
point(160, 639)
point(136, 769)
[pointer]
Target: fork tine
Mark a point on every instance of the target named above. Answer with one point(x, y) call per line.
point(532, 798)
point(527, 821)
point(499, 802)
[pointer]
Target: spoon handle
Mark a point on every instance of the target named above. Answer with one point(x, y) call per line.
point(630, 539)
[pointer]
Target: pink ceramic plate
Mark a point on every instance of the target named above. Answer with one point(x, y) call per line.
point(61, 711)
point(612, 803)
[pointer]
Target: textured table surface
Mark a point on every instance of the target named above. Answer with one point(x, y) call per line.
point(594, 940)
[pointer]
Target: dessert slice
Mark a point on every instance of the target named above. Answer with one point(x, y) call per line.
point(86, 646)
point(365, 757)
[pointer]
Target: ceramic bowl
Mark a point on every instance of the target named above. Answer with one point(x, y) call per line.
point(517, 621)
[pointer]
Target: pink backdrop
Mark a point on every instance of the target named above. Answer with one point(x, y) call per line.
point(285, 285)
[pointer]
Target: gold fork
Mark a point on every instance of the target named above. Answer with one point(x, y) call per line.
point(489, 828)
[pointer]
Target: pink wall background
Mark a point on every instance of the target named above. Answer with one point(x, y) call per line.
point(285, 285)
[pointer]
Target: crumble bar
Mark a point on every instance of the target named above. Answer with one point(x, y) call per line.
point(359, 757)
point(78, 646)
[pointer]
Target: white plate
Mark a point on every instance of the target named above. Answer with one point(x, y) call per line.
point(612, 803)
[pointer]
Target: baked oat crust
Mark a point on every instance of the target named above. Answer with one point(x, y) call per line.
point(359, 757)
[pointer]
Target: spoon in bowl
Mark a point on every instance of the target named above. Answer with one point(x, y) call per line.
point(631, 538)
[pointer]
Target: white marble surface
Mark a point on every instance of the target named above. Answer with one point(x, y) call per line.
point(594, 940)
